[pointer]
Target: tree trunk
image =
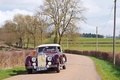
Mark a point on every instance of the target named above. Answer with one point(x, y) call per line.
point(56, 37)
point(28, 40)
point(34, 42)
point(20, 43)
point(60, 37)
point(59, 40)
point(41, 38)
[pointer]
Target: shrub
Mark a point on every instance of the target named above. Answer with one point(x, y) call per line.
point(118, 58)
point(98, 54)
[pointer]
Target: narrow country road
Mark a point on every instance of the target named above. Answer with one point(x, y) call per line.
point(78, 68)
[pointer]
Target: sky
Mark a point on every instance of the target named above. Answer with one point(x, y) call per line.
point(100, 13)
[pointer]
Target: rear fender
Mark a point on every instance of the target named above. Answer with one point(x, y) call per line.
point(64, 56)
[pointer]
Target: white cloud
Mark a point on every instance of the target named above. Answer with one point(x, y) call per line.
point(18, 4)
point(97, 16)
point(9, 8)
point(92, 6)
point(86, 28)
point(102, 28)
point(8, 15)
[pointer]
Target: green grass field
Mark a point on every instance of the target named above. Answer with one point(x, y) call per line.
point(11, 72)
point(106, 70)
point(104, 44)
point(82, 43)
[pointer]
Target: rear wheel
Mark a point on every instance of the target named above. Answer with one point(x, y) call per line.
point(29, 71)
point(64, 67)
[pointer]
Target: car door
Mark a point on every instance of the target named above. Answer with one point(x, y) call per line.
point(60, 54)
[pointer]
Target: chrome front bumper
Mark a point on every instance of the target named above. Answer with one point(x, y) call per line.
point(41, 68)
point(45, 68)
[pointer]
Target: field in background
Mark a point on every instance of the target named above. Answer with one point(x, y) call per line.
point(81, 43)
point(104, 44)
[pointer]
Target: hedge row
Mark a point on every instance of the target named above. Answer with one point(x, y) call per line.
point(13, 59)
point(98, 54)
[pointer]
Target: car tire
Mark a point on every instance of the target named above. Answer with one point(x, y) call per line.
point(64, 67)
point(58, 69)
point(29, 71)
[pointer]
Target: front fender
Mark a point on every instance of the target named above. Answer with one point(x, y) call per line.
point(56, 59)
point(28, 61)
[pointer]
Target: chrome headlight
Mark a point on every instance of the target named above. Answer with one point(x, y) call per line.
point(33, 59)
point(49, 63)
point(34, 64)
point(49, 58)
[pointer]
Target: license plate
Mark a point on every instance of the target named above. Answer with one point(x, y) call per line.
point(41, 68)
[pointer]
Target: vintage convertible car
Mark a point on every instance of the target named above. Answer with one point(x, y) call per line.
point(49, 56)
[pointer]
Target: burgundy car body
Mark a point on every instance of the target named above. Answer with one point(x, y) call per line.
point(49, 56)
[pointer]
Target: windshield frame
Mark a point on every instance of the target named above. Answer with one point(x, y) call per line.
point(47, 49)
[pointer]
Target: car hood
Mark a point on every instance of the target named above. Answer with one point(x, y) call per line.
point(51, 54)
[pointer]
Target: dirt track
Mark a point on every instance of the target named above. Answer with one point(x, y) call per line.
point(78, 68)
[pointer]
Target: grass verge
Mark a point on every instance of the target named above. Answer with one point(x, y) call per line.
point(106, 70)
point(11, 72)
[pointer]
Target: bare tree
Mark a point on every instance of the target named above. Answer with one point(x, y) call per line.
point(7, 34)
point(20, 28)
point(43, 27)
point(25, 28)
point(62, 14)
point(28, 23)
point(32, 24)
point(73, 33)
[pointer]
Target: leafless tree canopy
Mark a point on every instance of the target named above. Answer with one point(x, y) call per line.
point(62, 14)
point(22, 29)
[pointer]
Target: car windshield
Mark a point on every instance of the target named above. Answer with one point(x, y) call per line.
point(47, 49)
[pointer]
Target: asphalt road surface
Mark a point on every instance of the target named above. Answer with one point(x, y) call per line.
point(78, 68)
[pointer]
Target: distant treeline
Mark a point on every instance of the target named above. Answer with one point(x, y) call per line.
point(90, 35)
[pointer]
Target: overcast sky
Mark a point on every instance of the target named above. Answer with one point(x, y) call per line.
point(98, 14)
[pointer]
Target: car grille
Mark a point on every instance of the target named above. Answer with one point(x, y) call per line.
point(41, 60)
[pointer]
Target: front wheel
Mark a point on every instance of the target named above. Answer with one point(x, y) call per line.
point(58, 69)
point(29, 71)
